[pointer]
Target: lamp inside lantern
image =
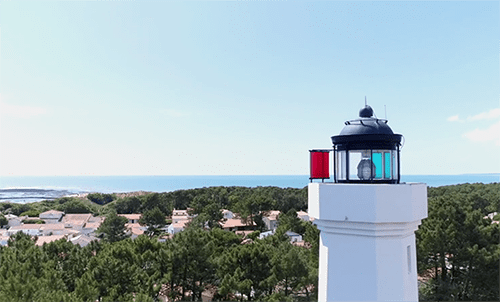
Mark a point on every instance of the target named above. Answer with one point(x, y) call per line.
point(366, 168)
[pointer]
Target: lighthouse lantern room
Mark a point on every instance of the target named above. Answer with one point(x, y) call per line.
point(366, 151)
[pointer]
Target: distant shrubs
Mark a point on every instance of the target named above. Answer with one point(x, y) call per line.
point(19, 208)
point(33, 221)
point(101, 198)
point(31, 213)
point(76, 206)
point(3, 220)
point(128, 205)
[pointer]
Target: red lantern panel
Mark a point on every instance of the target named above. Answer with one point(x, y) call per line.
point(320, 165)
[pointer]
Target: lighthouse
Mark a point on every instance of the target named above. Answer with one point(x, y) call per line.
point(366, 216)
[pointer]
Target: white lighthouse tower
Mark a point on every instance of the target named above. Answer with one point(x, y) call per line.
point(367, 218)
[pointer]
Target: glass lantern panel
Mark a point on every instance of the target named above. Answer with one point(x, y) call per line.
point(387, 166)
point(377, 159)
point(354, 161)
point(341, 165)
point(394, 163)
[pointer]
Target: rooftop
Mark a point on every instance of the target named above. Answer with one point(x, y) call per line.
point(29, 226)
point(73, 218)
point(235, 222)
point(47, 239)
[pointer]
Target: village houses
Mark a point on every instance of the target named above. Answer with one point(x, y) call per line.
point(80, 228)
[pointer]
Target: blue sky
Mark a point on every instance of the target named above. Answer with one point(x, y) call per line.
point(228, 88)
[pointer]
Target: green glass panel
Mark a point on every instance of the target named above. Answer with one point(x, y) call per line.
point(387, 156)
point(377, 160)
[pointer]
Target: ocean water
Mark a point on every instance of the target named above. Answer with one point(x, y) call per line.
point(24, 189)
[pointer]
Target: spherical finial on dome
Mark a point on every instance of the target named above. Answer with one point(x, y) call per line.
point(367, 111)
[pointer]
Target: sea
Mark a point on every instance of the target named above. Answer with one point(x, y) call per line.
point(25, 189)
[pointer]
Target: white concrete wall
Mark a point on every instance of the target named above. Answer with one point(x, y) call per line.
point(368, 202)
point(364, 239)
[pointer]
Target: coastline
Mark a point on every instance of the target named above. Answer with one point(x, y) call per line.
point(19, 189)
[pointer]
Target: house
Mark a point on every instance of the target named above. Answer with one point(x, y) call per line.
point(51, 216)
point(82, 240)
point(132, 218)
point(135, 229)
point(30, 229)
point(270, 219)
point(180, 213)
point(76, 221)
point(303, 215)
point(58, 228)
point(294, 237)
point(180, 219)
point(13, 220)
point(177, 227)
point(266, 234)
point(181, 216)
point(237, 224)
point(91, 227)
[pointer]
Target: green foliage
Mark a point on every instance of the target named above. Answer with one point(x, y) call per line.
point(26, 272)
point(208, 208)
point(113, 274)
point(33, 221)
point(73, 205)
point(254, 235)
point(155, 220)
point(458, 246)
point(30, 213)
point(156, 200)
point(18, 208)
point(290, 222)
point(4, 206)
point(455, 242)
point(3, 220)
point(191, 267)
point(290, 268)
point(70, 260)
point(128, 205)
point(244, 268)
point(119, 269)
point(132, 270)
point(113, 228)
point(101, 198)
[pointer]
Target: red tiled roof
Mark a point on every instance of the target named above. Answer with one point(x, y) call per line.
point(235, 222)
point(80, 218)
point(47, 239)
point(26, 227)
point(92, 225)
point(53, 226)
point(51, 212)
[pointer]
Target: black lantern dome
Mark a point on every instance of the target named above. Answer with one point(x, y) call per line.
point(366, 151)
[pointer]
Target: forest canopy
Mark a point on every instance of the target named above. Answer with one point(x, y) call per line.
point(458, 249)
